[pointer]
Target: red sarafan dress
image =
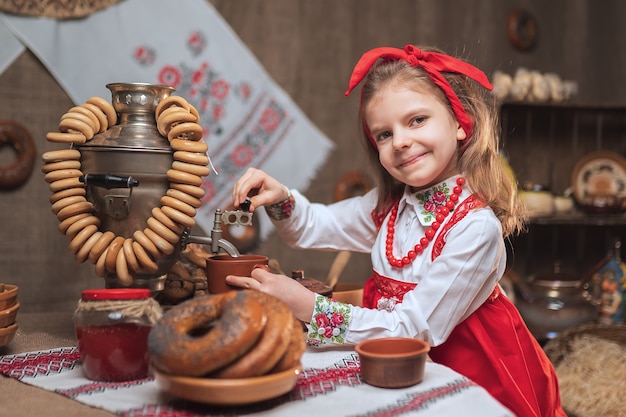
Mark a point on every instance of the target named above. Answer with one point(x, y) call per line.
point(493, 347)
point(447, 294)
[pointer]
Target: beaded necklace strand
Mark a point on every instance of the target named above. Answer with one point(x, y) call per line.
point(441, 211)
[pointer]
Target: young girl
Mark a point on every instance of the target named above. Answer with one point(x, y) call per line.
point(435, 226)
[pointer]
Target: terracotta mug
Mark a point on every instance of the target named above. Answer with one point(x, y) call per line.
point(219, 266)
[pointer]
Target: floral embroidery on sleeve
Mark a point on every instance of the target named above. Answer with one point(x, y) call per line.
point(282, 210)
point(329, 322)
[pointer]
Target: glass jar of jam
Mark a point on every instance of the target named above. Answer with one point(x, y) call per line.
point(112, 327)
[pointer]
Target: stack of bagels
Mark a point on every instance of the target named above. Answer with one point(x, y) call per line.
point(238, 334)
point(121, 256)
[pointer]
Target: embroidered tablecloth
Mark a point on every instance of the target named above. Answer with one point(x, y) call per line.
point(247, 118)
point(329, 384)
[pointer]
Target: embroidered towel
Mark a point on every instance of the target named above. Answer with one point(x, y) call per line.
point(248, 119)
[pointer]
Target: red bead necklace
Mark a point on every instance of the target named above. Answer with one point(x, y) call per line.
point(441, 212)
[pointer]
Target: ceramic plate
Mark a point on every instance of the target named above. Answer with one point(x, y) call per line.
point(228, 391)
point(599, 173)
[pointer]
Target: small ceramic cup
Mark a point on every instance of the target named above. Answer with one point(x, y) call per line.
point(219, 266)
point(393, 362)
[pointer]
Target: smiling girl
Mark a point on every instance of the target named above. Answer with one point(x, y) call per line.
point(435, 226)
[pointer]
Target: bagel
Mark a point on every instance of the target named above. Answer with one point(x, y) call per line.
point(83, 252)
point(54, 166)
point(272, 344)
point(184, 197)
point(18, 137)
point(192, 190)
point(100, 246)
point(68, 192)
point(295, 350)
point(189, 146)
point(187, 130)
point(205, 333)
point(106, 107)
point(353, 183)
point(103, 121)
point(170, 101)
point(61, 155)
point(144, 258)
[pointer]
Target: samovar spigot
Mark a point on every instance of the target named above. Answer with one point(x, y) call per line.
point(216, 242)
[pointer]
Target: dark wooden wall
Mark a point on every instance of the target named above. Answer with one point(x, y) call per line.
point(309, 48)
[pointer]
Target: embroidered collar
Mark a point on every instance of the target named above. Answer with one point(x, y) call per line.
point(425, 202)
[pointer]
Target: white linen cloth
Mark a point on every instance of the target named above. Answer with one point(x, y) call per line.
point(11, 47)
point(248, 119)
point(330, 384)
point(450, 288)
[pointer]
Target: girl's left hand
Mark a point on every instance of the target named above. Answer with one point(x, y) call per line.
point(300, 300)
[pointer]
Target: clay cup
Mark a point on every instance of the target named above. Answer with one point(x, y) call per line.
point(219, 266)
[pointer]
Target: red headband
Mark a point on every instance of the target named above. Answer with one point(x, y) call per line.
point(434, 64)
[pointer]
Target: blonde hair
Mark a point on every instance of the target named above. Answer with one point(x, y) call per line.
point(478, 156)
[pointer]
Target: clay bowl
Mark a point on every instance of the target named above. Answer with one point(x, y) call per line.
point(393, 362)
point(7, 316)
point(8, 295)
point(7, 333)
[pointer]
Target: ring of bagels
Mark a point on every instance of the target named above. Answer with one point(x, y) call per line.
point(124, 257)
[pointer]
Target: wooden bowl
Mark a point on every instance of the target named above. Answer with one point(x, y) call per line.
point(393, 362)
point(7, 316)
point(8, 295)
point(7, 333)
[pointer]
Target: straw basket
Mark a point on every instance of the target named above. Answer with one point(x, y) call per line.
point(560, 346)
point(590, 369)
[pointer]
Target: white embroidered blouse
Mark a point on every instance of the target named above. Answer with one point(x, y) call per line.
point(448, 289)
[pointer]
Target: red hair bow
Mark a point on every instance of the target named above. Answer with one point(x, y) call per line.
point(434, 63)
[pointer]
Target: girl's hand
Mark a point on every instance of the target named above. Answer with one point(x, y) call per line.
point(262, 189)
point(300, 300)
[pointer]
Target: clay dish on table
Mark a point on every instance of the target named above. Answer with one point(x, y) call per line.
point(228, 392)
point(393, 362)
point(7, 316)
point(7, 333)
point(8, 295)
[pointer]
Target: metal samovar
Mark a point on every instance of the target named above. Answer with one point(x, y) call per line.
point(124, 171)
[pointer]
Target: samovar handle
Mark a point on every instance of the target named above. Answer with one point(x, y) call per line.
point(108, 181)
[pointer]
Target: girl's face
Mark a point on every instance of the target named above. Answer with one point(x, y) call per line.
point(416, 134)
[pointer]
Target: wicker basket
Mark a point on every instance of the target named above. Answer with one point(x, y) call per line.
point(560, 346)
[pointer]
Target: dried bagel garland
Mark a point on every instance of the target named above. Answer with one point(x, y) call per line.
point(178, 121)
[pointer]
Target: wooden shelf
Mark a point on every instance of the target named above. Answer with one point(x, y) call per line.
point(581, 219)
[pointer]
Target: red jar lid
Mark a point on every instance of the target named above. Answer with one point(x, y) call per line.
point(115, 294)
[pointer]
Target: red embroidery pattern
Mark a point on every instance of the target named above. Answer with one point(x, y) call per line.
point(39, 363)
point(459, 213)
point(100, 386)
point(391, 288)
point(421, 401)
point(379, 216)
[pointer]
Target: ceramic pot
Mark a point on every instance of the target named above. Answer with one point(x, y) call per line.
point(393, 362)
point(219, 266)
point(554, 302)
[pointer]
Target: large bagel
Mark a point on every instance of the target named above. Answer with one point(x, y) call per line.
point(295, 350)
point(206, 333)
point(17, 136)
point(272, 344)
